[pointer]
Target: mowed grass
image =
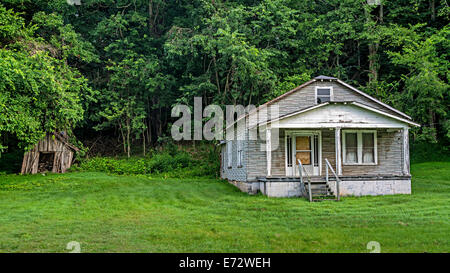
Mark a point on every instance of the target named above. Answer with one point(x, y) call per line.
point(108, 213)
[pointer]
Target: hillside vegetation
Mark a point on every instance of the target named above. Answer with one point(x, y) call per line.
point(109, 72)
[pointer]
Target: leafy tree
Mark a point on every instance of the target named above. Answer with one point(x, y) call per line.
point(426, 96)
point(144, 56)
point(39, 91)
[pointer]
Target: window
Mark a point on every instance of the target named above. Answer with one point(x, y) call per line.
point(368, 148)
point(303, 149)
point(351, 148)
point(230, 153)
point(222, 159)
point(240, 153)
point(324, 94)
point(359, 147)
point(289, 150)
point(316, 150)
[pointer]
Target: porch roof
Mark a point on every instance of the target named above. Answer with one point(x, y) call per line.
point(347, 114)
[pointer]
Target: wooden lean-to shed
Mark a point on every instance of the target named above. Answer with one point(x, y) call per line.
point(53, 153)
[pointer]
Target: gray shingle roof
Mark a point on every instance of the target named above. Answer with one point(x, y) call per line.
point(322, 77)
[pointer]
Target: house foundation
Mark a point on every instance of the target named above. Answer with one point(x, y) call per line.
point(349, 186)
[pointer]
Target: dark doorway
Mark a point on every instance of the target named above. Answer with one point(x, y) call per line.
point(10, 158)
point(46, 162)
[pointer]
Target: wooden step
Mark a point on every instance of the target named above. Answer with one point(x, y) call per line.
point(318, 185)
point(317, 181)
point(321, 200)
point(319, 190)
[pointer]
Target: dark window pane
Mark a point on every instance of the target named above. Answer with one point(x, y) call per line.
point(351, 148)
point(316, 150)
point(323, 99)
point(350, 140)
point(289, 151)
point(323, 91)
point(323, 95)
point(368, 148)
point(368, 140)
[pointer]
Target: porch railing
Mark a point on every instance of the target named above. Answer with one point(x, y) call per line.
point(328, 179)
point(302, 183)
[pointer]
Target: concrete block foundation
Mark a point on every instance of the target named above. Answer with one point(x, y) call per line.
point(349, 187)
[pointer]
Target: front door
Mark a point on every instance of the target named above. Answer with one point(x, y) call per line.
point(306, 148)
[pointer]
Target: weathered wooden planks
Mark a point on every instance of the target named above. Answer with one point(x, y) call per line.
point(62, 159)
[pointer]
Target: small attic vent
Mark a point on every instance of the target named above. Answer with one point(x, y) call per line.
point(323, 95)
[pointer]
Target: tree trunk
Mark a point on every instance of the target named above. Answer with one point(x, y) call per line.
point(143, 139)
point(128, 137)
point(149, 133)
point(373, 51)
point(373, 63)
point(381, 12)
point(432, 124)
point(433, 10)
point(123, 138)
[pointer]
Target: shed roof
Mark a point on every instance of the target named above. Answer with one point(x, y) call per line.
point(63, 140)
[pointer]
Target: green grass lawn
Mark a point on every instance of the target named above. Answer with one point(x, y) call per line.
point(107, 213)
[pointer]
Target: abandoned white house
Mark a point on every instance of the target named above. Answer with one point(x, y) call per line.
point(344, 141)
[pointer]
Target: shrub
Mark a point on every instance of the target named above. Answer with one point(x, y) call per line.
point(424, 152)
point(179, 164)
point(11, 162)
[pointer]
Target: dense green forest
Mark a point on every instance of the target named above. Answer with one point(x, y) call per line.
point(109, 71)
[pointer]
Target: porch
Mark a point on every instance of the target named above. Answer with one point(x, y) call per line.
point(353, 153)
point(337, 162)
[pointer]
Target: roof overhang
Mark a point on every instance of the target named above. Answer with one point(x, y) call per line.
point(357, 104)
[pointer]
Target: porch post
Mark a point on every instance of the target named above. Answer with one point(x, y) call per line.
point(406, 151)
point(269, 150)
point(338, 150)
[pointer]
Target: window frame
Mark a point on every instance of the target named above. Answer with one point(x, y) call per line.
point(359, 149)
point(288, 150)
point(239, 152)
point(323, 87)
point(229, 154)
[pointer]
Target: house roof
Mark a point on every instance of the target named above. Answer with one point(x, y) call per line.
point(373, 99)
point(358, 104)
point(322, 78)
